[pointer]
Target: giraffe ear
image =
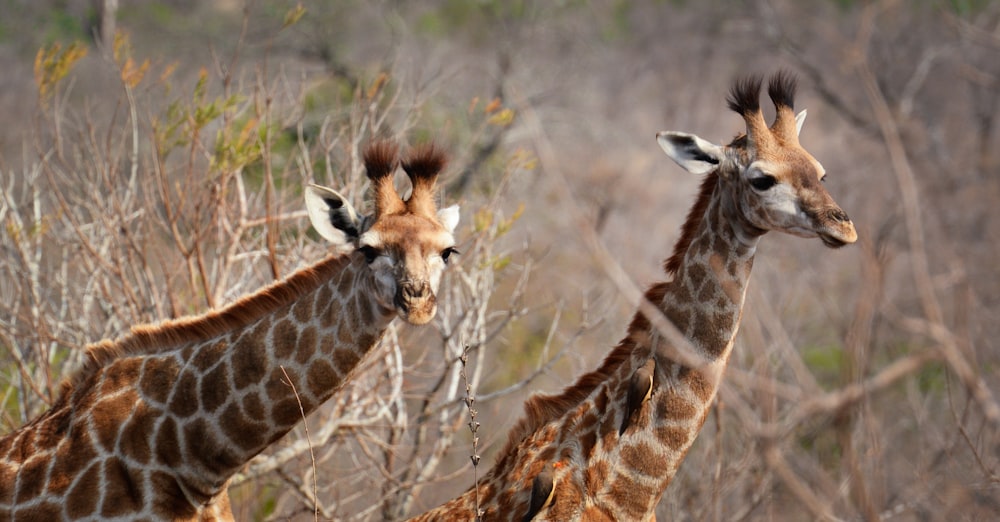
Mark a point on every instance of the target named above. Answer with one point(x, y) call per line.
point(332, 216)
point(691, 152)
point(449, 218)
point(800, 118)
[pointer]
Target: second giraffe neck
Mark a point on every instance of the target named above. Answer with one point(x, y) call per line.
point(606, 462)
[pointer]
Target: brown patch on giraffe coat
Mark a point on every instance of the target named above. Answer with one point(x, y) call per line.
point(158, 377)
point(676, 438)
point(214, 388)
point(284, 333)
point(588, 443)
point(242, 430)
point(631, 497)
point(70, 457)
point(286, 412)
point(82, 499)
point(322, 378)
point(566, 501)
point(170, 499)
point(7, 476)
point(204, 448)
point(595, 478)
point(249, 360)
point(110, 412)
point(365, 310)
point(121, 493)
point(699, 383)
point(367, 340)
point(185, 401)
point(276, 385)
point(674, 407)
point(136, 434)
point(254, 407)
point(302, 310)
point(345, 360)
point(32, 478)
point(306, 345)
point(597, 514)
point(209, 354)
point(124, 373)
point(167, 444)
point(344, 335)
point(644, 459)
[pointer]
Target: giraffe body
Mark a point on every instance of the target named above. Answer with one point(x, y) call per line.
point(157, 423)
point(610, 444)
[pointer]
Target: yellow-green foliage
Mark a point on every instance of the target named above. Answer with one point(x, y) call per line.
point(52, 64)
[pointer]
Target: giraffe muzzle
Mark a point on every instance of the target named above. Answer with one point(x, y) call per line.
point(416, 302)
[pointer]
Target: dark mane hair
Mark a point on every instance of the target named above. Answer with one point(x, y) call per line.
point(694, 218)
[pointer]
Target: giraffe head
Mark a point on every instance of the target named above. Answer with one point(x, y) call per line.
point(775, 184)
point(406, 243)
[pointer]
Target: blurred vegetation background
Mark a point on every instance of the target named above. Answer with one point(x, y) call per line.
point(153, 155)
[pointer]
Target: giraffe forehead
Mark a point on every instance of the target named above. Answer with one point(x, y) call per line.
point(788, 163)
point(405, 232)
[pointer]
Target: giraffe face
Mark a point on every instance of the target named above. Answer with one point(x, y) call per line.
point(781, 188)
point(775, 184)
point(407, 255)
point(405, 243)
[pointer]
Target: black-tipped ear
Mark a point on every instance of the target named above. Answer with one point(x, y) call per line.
point(696, 155)
point(332, 216)
point(542, 491)
point(639, 390)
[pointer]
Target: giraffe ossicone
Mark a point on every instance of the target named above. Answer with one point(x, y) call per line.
point(607, 447)
point(156, 423)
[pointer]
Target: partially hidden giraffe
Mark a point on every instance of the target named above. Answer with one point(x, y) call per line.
point(607, 447)
point(156, 423)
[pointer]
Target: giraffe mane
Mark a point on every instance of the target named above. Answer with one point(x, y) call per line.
point(146, 339)
point(694, 218)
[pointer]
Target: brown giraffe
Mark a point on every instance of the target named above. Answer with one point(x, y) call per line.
point(608, 446)
point(157, 422)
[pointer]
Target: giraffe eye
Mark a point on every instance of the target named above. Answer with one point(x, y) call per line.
point(446, 253)
point(370, 252)
point(763, 182)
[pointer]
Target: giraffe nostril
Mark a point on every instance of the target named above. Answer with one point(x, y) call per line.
point(839, 216)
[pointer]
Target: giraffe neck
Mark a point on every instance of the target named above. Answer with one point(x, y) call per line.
point(234, 395)
point(161, 419)
point(607, 462)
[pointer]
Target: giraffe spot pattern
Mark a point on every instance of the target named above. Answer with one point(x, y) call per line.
point(136, 434)
point(242, 430)
point(250, 367)
point(168, 443)
point(121, 495)
point(158, 376)
point(185, 400)
point(214, 389)
point(82, 499)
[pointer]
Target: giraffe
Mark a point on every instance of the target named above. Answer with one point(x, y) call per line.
point(608, 446)
point(157, 422)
